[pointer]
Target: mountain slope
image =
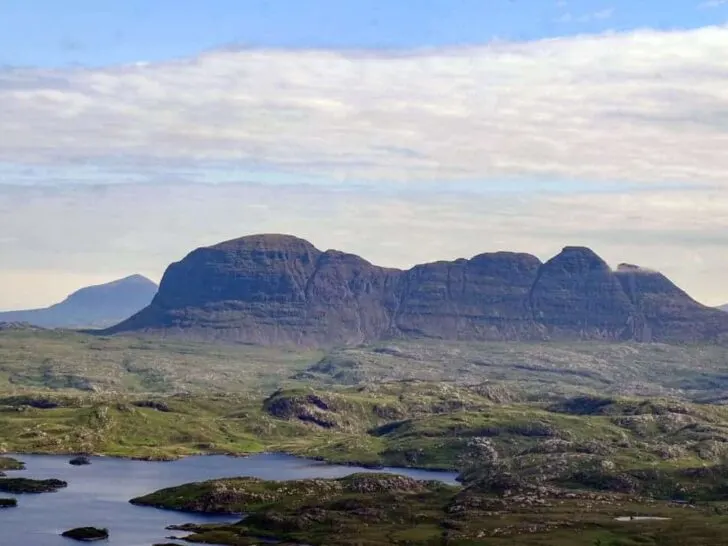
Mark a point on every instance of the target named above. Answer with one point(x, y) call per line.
point(91, 307)
point(281, 290)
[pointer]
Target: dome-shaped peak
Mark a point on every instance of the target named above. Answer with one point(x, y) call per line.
point(265, 241)
point(574, 258)
point(581, 250)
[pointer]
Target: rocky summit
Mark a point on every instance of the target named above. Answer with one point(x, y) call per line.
point(281, 290)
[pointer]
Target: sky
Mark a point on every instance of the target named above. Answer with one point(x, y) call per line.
point(410, 131)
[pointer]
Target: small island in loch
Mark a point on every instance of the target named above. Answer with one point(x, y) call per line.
point(86, 534)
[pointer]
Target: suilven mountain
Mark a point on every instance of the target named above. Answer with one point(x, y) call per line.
point(97, 306)
point(281, 290)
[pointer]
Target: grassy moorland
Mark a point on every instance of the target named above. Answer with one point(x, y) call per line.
point(427, 425)
point(32, 359)
point(374, 510)
point(553, 441)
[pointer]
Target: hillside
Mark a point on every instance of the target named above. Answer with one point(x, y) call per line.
point(91, 307)
point(281, 290)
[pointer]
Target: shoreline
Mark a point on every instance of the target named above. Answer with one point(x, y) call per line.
point(315, 459)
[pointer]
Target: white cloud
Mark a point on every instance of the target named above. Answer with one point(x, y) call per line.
point(713, 3)
point(638, 110)
point(645, 106)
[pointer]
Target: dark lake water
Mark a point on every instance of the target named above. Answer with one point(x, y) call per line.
point(98, 495)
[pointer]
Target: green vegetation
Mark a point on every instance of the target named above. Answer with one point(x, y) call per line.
point(86, 534)
point(400, 424)
point(32, 359)
point(377, 509)
point(361, 507)
point(553, 441)
point(61, 360)
point(8, 463)
point(15, 486)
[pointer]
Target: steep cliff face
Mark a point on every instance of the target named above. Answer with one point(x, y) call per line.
point(576, 294)
point(281, 290)
point(486, 297)
point(668, 313)
point(272, 289)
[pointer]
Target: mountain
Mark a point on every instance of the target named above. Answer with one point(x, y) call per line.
point(281, 290)
point(91, 307)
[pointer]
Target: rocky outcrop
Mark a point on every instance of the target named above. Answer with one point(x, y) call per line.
point(281, 290)
point(16, 486)
point(81, 460)
point(86, 534)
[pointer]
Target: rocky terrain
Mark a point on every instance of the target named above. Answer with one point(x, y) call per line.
point(536, 470)
point(411, 424)
point(91, 307)
point(281, 290)
point(378, 509)
point(61, 360)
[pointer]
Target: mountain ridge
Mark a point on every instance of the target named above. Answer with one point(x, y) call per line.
point(95, 306)
point(274, 289)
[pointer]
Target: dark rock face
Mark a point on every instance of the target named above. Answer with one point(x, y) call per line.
point(482, 298)
point(281, 290)
point(576, 294)
point(666, 313)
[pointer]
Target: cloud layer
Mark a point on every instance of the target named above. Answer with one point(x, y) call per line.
point(631, 129)
point(644, 106)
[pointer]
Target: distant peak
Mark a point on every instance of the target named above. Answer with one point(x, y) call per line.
point(136, 278)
